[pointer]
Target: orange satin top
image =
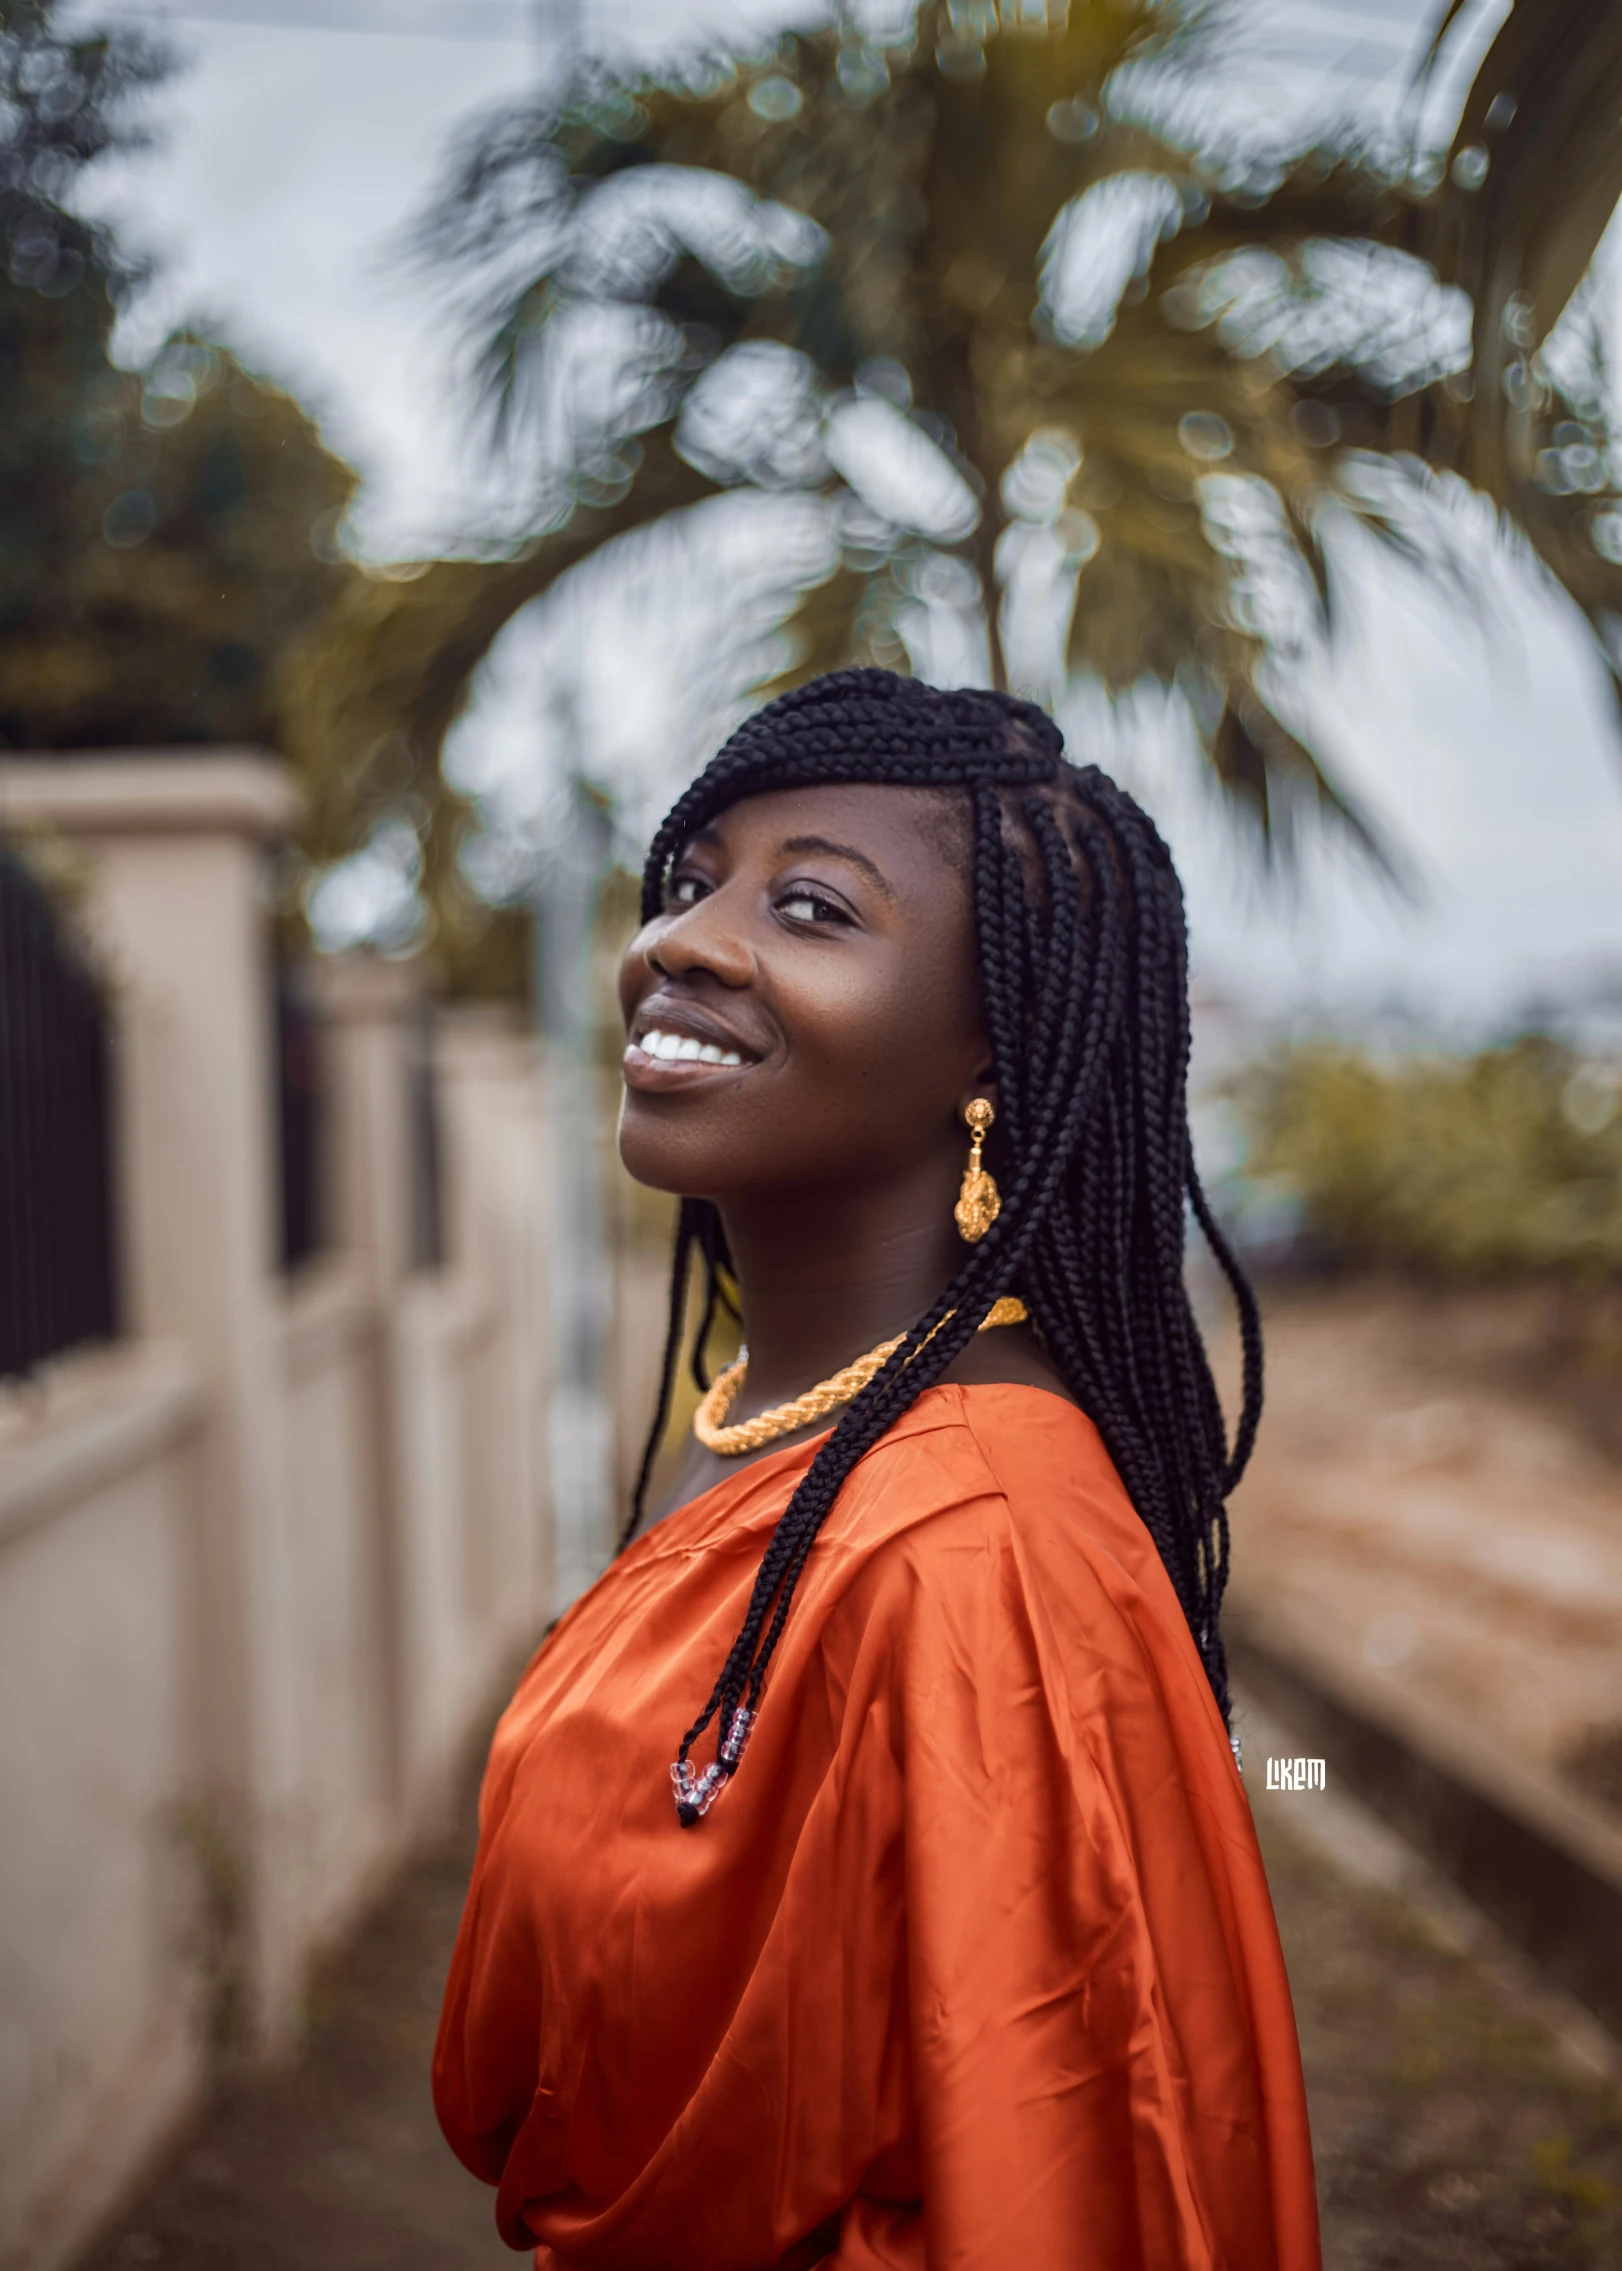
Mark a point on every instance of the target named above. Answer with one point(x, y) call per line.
point(971, 1968)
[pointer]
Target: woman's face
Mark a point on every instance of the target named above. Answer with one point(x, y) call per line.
point(819, 943)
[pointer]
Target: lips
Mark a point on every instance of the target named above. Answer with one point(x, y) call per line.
point(672, 1046)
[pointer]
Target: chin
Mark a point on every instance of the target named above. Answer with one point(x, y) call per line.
point(665, 1151)
point(707, 1147)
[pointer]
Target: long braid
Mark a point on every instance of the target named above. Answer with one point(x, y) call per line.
point(686, 1234)
point(710, 1239)
point(1082, 953)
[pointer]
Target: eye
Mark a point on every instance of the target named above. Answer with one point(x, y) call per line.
point(803, 905)
point(685, 891)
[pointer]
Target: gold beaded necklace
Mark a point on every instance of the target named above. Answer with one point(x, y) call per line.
point(709, 1421)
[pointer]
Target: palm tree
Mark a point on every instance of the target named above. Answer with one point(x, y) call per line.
point(1032, 341)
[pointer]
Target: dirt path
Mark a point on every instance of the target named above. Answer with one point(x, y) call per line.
point(336, 2164)
point(1464, 2114)
point(1417, 1505)
point(1450, 2128)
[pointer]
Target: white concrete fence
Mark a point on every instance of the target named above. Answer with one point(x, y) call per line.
point(263, 1565)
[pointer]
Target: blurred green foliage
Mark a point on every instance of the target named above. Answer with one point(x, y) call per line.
point(1505, 1163)
point(164, 535)
point(188, 540)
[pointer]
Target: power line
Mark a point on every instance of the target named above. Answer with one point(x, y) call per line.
point(510, 22)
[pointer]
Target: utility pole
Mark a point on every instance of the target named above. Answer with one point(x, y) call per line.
point(580, 1407)
point(557, 29)
point(564, 901)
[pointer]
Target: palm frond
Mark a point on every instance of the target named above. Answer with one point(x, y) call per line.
point(1261, 346)
point(368, 699)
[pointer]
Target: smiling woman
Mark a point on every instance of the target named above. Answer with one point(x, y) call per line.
point(969, 1961)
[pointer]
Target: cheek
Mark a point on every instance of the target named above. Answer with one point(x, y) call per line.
point(859, 1030)
point(878, 1049)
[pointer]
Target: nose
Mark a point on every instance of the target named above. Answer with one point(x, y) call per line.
point(703, 940)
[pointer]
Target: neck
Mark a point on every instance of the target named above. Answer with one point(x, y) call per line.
point(825, 1276)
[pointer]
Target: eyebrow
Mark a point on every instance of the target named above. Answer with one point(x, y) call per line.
point(711, 837)
point(849, 852)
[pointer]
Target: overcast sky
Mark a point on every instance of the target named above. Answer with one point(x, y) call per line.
point(289, 158)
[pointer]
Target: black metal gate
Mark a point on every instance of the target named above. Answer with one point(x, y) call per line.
point(58, 1280)
point(427, 1153)
point(301, 1121)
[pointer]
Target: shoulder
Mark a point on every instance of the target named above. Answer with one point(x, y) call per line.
point(999, 1542)
point(1004, 1463)
point(1003, 1441)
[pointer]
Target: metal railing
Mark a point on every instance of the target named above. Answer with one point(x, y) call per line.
point(301, 1122)
point(58, 1273)
point(427, 1176)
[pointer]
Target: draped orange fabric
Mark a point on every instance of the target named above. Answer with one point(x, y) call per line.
point(971, 1968)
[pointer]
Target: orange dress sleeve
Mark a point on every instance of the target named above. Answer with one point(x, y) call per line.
point(1102, 2041)
point(973, 1966)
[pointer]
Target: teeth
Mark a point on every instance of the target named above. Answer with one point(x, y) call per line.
point(672, 1048)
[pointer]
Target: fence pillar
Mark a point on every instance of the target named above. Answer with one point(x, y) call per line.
point(369, 1004)
point(174, 848)
point(377, 1169)
point(500, 1222)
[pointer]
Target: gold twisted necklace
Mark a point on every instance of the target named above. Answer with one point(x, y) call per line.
point(710, 1420)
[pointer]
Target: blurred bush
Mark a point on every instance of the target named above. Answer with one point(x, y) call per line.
point(184, 536)
point(1505, 1163)
point(164, 535)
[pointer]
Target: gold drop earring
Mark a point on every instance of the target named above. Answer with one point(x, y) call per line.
point(979, 1202)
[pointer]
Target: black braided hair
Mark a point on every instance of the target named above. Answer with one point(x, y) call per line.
point(1084, 975)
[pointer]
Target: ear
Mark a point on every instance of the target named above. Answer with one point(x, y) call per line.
point(985, 1075)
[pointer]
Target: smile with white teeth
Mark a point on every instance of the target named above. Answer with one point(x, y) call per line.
point(672, 1048)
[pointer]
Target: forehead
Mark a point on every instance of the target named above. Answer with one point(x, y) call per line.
point(916, 838)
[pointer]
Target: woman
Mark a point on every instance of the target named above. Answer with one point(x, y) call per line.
point(944, 1941)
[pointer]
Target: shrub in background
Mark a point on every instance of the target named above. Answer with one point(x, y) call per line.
point(165, 535)
point(1505, 1163)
